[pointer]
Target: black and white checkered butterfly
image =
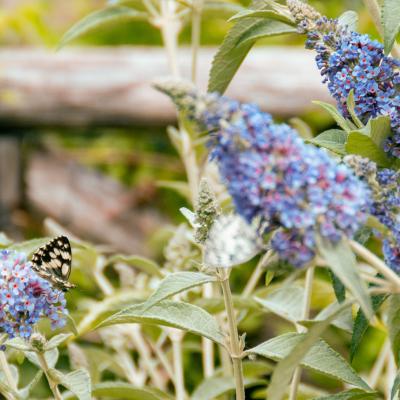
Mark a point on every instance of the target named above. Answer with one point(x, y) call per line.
point(53, 262)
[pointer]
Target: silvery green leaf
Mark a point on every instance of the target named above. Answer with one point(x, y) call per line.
point(190, 216)
point(391, 22)
point(176, 283)
point(231, 241)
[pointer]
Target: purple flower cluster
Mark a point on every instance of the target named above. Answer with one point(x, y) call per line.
point(385, 205)
point(26, 297)
point(294, 189)
point(351, 61)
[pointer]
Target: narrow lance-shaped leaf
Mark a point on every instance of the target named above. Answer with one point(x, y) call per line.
point(217, 386)
point(353, 394)
point(393, 324)
point(363, 145)
point(286, 367)
point(139, 262)
point(361, 324)
point(178, 315)
point(123, 390)
point(390, 22)
point(335, 114)
point(342, 261)
point(98, 18)
point(78, 382)
point(176, 283)
point(333, 140)
point(320, 358)
point(395, 388)
point(230, 55)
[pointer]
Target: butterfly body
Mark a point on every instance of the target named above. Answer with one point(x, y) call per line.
point(53, 262)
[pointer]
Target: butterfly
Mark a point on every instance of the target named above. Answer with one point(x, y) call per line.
point(53, 262)
point(231, 241)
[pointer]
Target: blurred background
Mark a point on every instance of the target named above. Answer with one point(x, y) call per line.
point(83, 133)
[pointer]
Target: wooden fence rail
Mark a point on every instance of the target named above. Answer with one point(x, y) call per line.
point(112, 86)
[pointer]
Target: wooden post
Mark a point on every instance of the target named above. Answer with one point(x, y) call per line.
point(10, 178)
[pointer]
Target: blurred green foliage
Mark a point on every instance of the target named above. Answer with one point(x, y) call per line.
point(42, 22)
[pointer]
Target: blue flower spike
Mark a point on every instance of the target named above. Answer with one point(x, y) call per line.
point(25, 298)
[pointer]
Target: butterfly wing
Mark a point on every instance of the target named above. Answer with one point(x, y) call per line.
point(53, 262)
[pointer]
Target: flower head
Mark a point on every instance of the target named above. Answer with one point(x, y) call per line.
point(294, 189)
point(25, 297)
point(385, 205)
point(350, 61)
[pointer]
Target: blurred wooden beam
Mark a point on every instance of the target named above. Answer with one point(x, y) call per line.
point(112, 86)
point(89, 203)
point(10, 179)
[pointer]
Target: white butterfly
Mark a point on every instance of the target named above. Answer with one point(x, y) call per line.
point(231, 241)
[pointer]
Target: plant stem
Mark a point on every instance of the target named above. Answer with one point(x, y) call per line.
point(45, 367)
point(169, 30)
point(145, 355)
point(257, 273)
point(379, 365)
point(305, 314)
point(5, 367)
point(176, 337)
point(375, 262)
point(207, 344)
point(374, 10)
point(190, 162)
point(235, 346)
point(197, 7)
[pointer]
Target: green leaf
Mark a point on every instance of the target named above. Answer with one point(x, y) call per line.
point(29, 246)
point(350, 107)
point(302, 128)
point(353, 394)
point(18, 344)
point(263, 29)
point(212, 388)
point(395, 388)
point(350, 19)
point(25, 392)
point(267, 14)
point(363, 145)
point(379, 129)
point(51, 357)
point(181, 188)
point(320, 358)
point(342, 261)
point(97, 311)
point(343, 321)
point(333, 140)
point(139, 262)
point(78, 382)
point(335, 115)
point(123, 390)
point(390, 22)
point(286, 367)
point(55, 341)
point(338, 287)
point(101, 17)
point(230, 55)
point(393, 325)
point(176, 283)
point(361, 324)
point(285, 302)
point(5, 241)
point(170, 313)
